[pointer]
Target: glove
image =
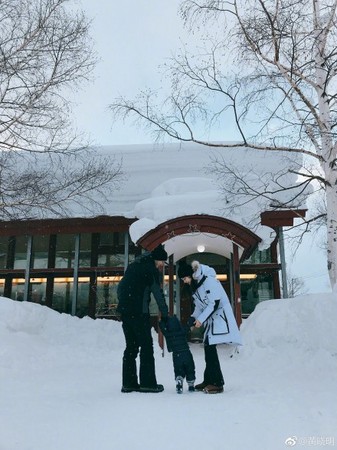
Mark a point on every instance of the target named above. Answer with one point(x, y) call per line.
point(190, 321)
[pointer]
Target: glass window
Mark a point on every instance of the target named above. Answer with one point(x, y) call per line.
point(2, 286)
point(218, 262)
point(85, 250)
point(62, 295)
point(111, 250)
point(106, 292)
point(65, 251)
point(18, 288)
point(259, 257)
point(256, 290)
point(3, 251)
point(37, 292)
point(82, 307)
point(20, 256)
point(40, 252)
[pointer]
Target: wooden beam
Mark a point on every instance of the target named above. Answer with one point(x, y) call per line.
point(34, 227)
point(281, 218)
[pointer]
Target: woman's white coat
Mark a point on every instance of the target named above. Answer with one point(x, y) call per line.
point(219, 322)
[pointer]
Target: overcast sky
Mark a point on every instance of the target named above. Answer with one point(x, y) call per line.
point(133, 39)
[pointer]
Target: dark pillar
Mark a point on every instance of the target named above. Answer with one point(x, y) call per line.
point(237, 288)
point(171, 285)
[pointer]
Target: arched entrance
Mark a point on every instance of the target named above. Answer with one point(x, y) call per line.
point(187, 235)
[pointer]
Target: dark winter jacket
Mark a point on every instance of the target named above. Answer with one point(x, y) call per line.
point(134, 290)
point(175, 334)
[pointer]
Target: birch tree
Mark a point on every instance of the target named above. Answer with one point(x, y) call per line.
point(271, 65)
point(45, 50)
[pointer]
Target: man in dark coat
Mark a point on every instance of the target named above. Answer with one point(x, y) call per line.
point(140, 280)
point(176, 341)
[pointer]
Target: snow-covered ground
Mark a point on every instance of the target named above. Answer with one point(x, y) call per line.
point(60, 380)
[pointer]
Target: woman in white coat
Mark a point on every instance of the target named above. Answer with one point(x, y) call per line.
point(212, 310)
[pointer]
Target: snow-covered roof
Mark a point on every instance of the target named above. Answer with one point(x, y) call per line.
point(162, 182)
point(165, 181)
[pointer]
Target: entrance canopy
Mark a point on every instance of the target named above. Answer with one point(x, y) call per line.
point(186, 235)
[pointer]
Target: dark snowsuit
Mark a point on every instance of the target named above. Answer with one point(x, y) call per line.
point(176, 342)
point(134, 294)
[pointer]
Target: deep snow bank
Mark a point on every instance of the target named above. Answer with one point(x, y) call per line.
point(43, 337)
point(305, 324)
point(56, 328)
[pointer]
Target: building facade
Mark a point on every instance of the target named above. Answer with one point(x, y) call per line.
point(74, 264)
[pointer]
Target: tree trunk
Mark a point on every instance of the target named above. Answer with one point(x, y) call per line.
point(331, 199)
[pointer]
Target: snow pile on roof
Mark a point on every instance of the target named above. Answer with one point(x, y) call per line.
point(162, 182)
point(189, 196)
point(183, 183)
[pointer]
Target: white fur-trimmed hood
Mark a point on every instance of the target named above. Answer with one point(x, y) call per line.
point(199, 270)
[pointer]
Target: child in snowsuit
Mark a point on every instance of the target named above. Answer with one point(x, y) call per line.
point(176, 342)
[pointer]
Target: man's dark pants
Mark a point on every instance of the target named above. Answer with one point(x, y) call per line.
point(138, 338)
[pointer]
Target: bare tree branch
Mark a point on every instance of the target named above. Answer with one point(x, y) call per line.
point(45, 50)
point(273, 65)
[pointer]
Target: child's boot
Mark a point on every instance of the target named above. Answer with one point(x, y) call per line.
point(179, 385)
point(191, 386)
